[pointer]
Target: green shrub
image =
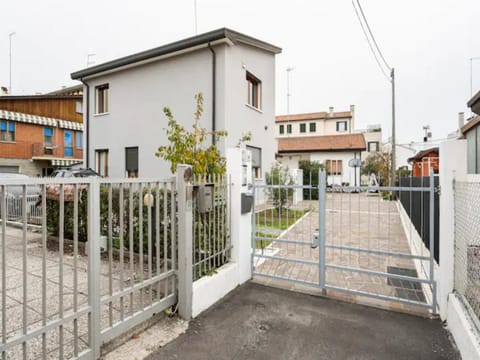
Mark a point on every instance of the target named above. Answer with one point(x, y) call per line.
point(310, 177)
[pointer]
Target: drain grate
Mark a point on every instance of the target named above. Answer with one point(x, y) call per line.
point(405, 289)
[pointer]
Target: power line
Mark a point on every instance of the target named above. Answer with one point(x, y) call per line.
point(373, 37)
point(369, 43)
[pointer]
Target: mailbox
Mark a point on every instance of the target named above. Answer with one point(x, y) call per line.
point(205, 197)
point(246, 203)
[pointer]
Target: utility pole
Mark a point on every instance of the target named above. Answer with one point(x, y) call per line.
point(289, 69)
point(195, 10)
point(10, 71)
point(471, 73)
point(392, 76)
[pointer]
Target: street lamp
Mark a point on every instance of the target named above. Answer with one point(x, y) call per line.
point(289, 69)
point(10, 72)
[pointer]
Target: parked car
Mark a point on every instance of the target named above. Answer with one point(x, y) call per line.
point(68, 173)
point(14, 197)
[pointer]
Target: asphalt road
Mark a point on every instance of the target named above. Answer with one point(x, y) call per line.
point(259, 322)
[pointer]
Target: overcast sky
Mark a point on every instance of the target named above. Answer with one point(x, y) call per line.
point(429, 42)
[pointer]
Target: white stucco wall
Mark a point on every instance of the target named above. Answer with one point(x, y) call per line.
point(138, 95)
point(348, 173)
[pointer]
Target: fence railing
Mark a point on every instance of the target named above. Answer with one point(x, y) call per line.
point(102, 261)
point(467, 246)
point(211, 225)
point(14, 208)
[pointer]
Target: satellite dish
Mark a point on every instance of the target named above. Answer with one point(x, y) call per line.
point(356, 162)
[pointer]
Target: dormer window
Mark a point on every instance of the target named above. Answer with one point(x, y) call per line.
point(342, 126)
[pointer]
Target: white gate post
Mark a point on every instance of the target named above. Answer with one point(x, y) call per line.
point(94, 267)
point(239, 167)
point(185, 238)
point(453, 166)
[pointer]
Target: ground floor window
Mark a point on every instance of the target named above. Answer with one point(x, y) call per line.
point(102, 162)
point(334, 167)
point(131, 162)
point(256, 161)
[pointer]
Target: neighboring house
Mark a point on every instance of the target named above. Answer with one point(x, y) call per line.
point(334, 151)
point(39, 133)
point(373, 139)
point(423, 161)
point(125, 98)
point(471, 131)
point(316, 124)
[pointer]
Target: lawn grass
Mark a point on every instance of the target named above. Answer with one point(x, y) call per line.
point(278, 219)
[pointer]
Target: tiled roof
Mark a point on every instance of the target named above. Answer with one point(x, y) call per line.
point(470, 124)
point(421, 154)
point(314, 116)
point(321, 143)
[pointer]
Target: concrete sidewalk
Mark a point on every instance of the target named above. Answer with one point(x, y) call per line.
point(259, 322)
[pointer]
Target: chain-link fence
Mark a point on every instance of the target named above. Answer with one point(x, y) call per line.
point(467, 244)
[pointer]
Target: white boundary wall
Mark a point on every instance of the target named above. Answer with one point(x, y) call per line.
point(453, 166)
point(209, 289)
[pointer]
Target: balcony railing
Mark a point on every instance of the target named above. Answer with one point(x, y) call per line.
point(56, 151)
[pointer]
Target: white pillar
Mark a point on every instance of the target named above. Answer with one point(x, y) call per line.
point(453, 165)
point(239, 167)
point(184, 184)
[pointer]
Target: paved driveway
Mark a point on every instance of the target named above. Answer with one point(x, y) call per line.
point(259, 322)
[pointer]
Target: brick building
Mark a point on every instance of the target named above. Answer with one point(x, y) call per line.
point(39, 133)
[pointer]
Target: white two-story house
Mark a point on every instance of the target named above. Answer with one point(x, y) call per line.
point(124, 101)
point(325, 137)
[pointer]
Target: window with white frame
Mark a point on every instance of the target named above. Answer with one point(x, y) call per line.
point(254, 97)
point(102, 98)
point(281, 129)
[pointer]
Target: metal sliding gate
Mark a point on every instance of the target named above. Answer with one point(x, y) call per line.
point(349, 242)
point(102, 260)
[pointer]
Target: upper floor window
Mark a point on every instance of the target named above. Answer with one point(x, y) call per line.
point(7, 130)
point(473, 150)
point(373, 146)
point(48, 136)
point(303, 128)
point(254, 91)
point(79, 140)
point(313, 127)
point(68, 143)
point(289, 128)
point(281, 129)
point(342, 126)
point(101, 95)
point(79, 107)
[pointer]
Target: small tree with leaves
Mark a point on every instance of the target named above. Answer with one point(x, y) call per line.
point(279, 175)
point(189, 147)
point(377, 163)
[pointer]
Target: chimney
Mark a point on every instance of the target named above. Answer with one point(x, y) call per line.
point(461, 119)
point(3, 91)
point(330, 111)
point(352, 122)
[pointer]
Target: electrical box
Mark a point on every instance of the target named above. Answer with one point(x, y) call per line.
point(205, 197)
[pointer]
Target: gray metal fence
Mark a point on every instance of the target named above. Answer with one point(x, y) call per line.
point(103, 261)
point(350, 242)
point(211, 225)
point(467, 246)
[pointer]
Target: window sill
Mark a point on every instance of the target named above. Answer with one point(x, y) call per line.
point(101, 114)
point(8, 142)
point(254, 108)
